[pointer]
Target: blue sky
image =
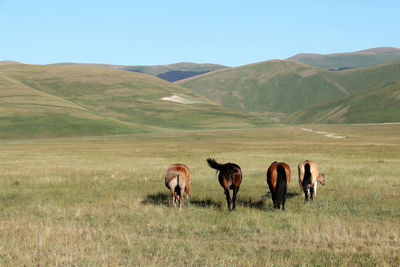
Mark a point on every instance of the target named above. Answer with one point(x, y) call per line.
point(149, 32)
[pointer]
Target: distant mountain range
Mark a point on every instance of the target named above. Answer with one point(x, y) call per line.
point(341, 61)
point(97, 99)
point(171, 72)
point(334, 62)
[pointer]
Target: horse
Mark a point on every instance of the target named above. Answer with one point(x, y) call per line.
point(308, 177)
point(278, 179)
point(177, 180)
point(229, 177)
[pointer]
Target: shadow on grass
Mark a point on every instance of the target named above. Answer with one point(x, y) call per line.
point(164, 199)
point(291, 195)
point(160, 198)
point(204, 203)
point(250, 203)
point(261, 204)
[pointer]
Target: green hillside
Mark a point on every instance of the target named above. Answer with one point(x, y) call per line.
point(360, 59)
point(380, 104)
point(72, 100)
point(286, 86)
point(272, 86)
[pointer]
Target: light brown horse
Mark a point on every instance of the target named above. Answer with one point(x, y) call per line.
point(278, 179)
point(177, 180)
point(308, 177)
point(230, 177)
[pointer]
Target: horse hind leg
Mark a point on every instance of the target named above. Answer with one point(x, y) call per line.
point(277, 204)
point(312, 192)
point(228, 198)
point(173, 198)
point(306, 190)
point(181, 200)
point(235, 190)
point(284, 200)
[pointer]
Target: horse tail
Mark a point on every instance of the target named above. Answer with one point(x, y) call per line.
point(281, 184)
point(215, 165)
point(307, 175)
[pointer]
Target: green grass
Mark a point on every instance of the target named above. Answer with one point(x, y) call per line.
point(89, 100)
point(101, 201)
point(381, 104)
point(287, 86)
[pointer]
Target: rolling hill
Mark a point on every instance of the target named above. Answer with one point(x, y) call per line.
point(171, 72)
point(376, 105)
point(285, 87)
point(74, 100)
point(360, 59)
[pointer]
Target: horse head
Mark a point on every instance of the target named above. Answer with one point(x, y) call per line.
point(321, 179)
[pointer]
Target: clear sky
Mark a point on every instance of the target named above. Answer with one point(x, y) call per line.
point(232, 33)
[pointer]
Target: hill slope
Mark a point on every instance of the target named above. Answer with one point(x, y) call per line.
point(171, 72)
point(286, 86)
point(360, 59)
point(67, 100)
point(380, 104)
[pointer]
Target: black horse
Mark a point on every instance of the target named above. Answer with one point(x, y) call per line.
point(230, 177)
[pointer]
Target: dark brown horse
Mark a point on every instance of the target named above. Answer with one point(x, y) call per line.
point(230, 177)
point(278, 179)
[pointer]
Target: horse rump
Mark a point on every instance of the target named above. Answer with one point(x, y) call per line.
point(278, 179)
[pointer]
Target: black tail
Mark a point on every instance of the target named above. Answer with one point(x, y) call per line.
point(215, 165)
point(281, 185)
point(307, 176)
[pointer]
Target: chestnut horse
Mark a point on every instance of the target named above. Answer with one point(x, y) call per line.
point(230, 177)
point(177, 180)
point(308, 178)
point(278, 179)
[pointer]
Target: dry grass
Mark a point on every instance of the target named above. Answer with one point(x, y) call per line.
point(102, 202)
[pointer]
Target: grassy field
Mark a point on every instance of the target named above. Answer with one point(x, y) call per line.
point(101, 201)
